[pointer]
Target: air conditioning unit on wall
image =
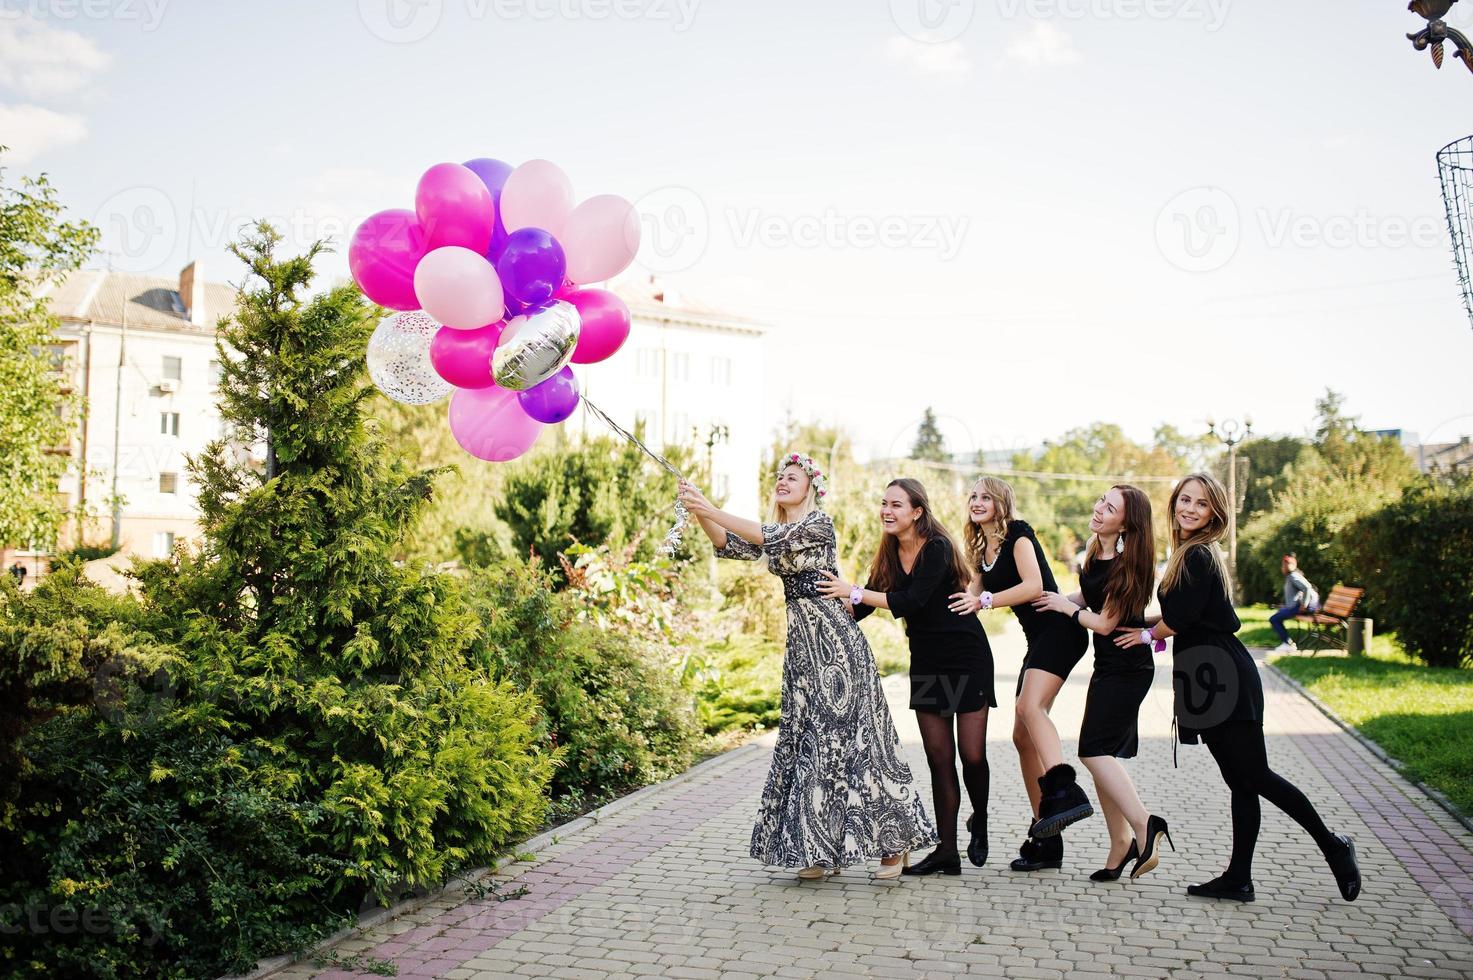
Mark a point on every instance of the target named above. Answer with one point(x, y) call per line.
point(168, 386)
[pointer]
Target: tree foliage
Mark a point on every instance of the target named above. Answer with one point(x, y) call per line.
point(930, 445)
point(37, 249)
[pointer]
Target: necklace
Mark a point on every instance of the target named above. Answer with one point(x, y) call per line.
point(987, 565)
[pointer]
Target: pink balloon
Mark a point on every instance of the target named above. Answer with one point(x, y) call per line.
point(383, 254)
point(463, 357)
point(489, 424)
point(600, 238)
point(537, 195)
point(455, 208)
point(605, 324)
point(459, 288)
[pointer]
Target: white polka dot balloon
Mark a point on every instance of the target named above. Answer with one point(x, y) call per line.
point(399, 359)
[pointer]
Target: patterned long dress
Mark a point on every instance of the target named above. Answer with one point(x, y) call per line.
point(838, 792)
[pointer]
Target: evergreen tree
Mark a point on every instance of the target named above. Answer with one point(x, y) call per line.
point(929, 446)
point(36, 246)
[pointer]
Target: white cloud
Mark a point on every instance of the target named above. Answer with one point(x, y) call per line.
point(941, 58)
point(1044, 46)
point(42, 61)
point(30, 130)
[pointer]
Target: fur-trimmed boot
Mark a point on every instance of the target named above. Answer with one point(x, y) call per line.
point(1063, 802)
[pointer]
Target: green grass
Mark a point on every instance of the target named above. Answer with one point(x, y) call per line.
point(1421, 716)
point(1257, 632)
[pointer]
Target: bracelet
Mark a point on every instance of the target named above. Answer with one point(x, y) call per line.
point(1077, 614)
point(986, 598)
point(856, 596)
point(1148, 639)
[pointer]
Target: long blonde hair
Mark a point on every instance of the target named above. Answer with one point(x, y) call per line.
point(794, 513)
point(976, 535)
point(1206, 538)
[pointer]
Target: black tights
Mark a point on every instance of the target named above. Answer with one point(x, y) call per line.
point(941, 753)
point(1242, 756)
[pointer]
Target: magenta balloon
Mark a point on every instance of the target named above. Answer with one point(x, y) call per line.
point(537, 195)
point(600, 238)
point(553, 400)
point(532, 267)
point(382, 256)
point(489, 424)
point(605, 324)
point(459, 288)
point(455, 208)
point(463, 357)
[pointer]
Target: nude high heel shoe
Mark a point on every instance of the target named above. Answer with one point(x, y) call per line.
point(889, 872)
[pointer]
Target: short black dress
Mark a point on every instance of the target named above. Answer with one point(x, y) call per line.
point(1121, 679)
point(950, 658)
point(1214, 676)
point(1055, 642)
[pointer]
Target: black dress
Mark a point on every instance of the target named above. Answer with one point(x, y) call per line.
point(1121, 679)
point(950, 658)
point(1055, 642)
point(1215, 678)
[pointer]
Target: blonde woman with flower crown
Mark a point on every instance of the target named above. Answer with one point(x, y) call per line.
point(838, 792)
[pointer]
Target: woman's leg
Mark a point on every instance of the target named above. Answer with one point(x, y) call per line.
point(1125, 815)
point(946, 793)
point(1279, 791)
point(971, 740)
point(1234, 760)
point(1027, 761)
point(1034, 703)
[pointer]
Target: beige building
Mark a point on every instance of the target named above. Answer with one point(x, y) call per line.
point(141, 352)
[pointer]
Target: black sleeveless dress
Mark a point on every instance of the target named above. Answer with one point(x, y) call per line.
point(1055, 642)
point(950, 658)
point(1121, 679)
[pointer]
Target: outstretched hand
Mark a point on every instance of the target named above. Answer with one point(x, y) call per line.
point(833, 587)
point(964, 603)
point(694, 500)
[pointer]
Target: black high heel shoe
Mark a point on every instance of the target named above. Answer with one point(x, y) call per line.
point(1155, 830)
point(936, 863)
point(1113, 874)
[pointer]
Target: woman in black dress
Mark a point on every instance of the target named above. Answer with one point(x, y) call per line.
point(1219, 696)
point(1114, 590)
point(917, 567)
point(1010, 570)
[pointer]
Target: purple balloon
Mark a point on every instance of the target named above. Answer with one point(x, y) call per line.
point(493, 174)
point(553, 400)
point(455, 208)
point(383, 254)
point(463, 357)
point(532, 267)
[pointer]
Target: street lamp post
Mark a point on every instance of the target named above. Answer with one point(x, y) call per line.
point(1230, 432)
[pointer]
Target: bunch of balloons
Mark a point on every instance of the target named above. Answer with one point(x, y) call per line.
point(488, 271)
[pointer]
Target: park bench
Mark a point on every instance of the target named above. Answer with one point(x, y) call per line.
point(1326, 629)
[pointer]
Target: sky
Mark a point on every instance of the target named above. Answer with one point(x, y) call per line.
point(1029, 215)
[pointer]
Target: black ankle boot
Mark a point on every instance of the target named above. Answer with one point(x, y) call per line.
point(1038, 855)
point(1347, 871)
point(936, 863)
point(1063, 802)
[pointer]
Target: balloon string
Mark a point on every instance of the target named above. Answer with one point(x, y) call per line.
point(682, 516)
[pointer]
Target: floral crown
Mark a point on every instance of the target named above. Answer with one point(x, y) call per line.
point(807, 465)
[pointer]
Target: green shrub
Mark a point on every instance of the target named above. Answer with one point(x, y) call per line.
point(1416, 555)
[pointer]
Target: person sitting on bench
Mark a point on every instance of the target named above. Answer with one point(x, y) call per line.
point(1299, 597)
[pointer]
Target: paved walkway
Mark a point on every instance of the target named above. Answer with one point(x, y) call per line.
point(662, 885)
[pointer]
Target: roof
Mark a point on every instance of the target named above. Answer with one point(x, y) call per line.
point(649, 299)
point(100, 295)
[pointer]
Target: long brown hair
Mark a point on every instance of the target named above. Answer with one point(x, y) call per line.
point(885, 570)
point(1211, 533)
point(996, 530)
point(1132, 572)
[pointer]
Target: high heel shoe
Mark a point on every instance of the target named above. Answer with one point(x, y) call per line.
point(1155, 830)
point(936, 863)
point(814, 872)
point(1113, 874)
point(889, 872)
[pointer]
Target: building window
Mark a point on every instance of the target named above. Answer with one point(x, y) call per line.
point(721, 371)
point(163, 544)
point(168, 483)
point(174, 368)
point(169, 423)
point(648, 363)
point(57, 355)
point(217, 374)
point(680, 370)
point(723, 486)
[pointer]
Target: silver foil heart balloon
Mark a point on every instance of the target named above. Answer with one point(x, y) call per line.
point(536, 346)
